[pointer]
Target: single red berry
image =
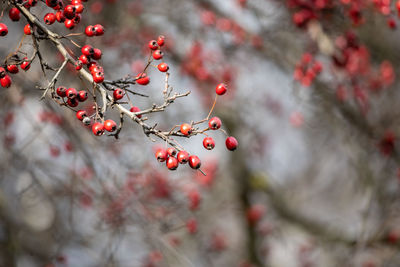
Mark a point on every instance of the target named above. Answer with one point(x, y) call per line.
point(97, 128)
point(82, 96)
point(78, 65)
point(84, 59)
point(231, 143)
point(28, 29)
point(14, 14)
point(183, 157)
point(135, 109)
point(87, 50)
point(79, 8)
point(110, 125)
point(194, 162)
point(153, 45)
point(69, 11)
point(71, 93)
point(60, 16)
point(161, 40)
point(172, 163)
point(158, 54)
point(186, 129)
point(12, 69)
point(98, 77)
point(49, 18)
point(96, 54)
point(90, 31)
point(214, 123)
point(118, 94)
point(61, 91)
point(81, 114)
point(171, 152)
point(142, 79)
point(3, 29)
point(5, 81)
point(2, 72)
point(99, 29)
point(163, 67)
point(69, 24)
point(161, 155)
point(26, 65)
point(72, 102)
point(208, 143)
point(220, 89)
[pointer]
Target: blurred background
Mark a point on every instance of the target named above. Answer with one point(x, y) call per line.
point(312, 99)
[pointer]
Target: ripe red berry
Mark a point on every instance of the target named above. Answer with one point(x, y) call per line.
point(214, 123)
point(158, 54)
point(136, 109)
point(60, 16)
point(220, 89)
point(110, 125)
point(161, 155)
point(84, 59)
point(3, 29)
point(72, 102)
point(87, 50)
point(25, 65)
point(97, 128)
point(161, 40)
point(142, 79)
point(79, 8)
point(186, 129)
point(32, 2)
point(231, 143)
point(194, 162)
point(5, 81)
point(61, 91)
point(153, 45)
point(90, 31)
point(14, 14)
point(82, 96)
point(99, 29)
point(118, 94)
point(96, 54)
point(98, 77)
point(28, 29)
point(208, 143)
point(69, 11)
point(71, 93)
point(12, 69)
point(171, 151)
point(172, 163)
point(49, 18)
point(81, 114)
point(69, 24)
point(183, 157)
point(163, 67)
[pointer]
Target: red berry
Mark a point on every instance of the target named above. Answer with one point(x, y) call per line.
point(208, 143)
point(5, 81)
point(90, 31)
point(84, 59)
point(82, 96)
point(172, 163)
point(118, 94)
point(110, 125)
point(60, 16)
point(71, 93)
point(87, 50)
point(191, 226)
point(49, 18)
point(194, 162)
point(158, 54)
point(72, 102)
point(28, 29)
point(163, 67)
point(26, 65)
point(99, 29)
point(2, 72)
point(153, 45)
point(142, 79)
point(12, 69)
point(171, 151)
point(136, 109)
point(79, 8)
point(14, 14)
point(186, 129)
point(80, 114)
point(69, 11)
point(3, 29)
point(69, 24)
point(220, 89)
point(214, 123)
point(97, 128)
point(231, 143)
point(61, 91)
point(96, 54)
point(183, 157)
point(98, 77)
point(161, 155)
point(161, 40)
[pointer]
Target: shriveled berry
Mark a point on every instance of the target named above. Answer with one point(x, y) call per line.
point(72, 102)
